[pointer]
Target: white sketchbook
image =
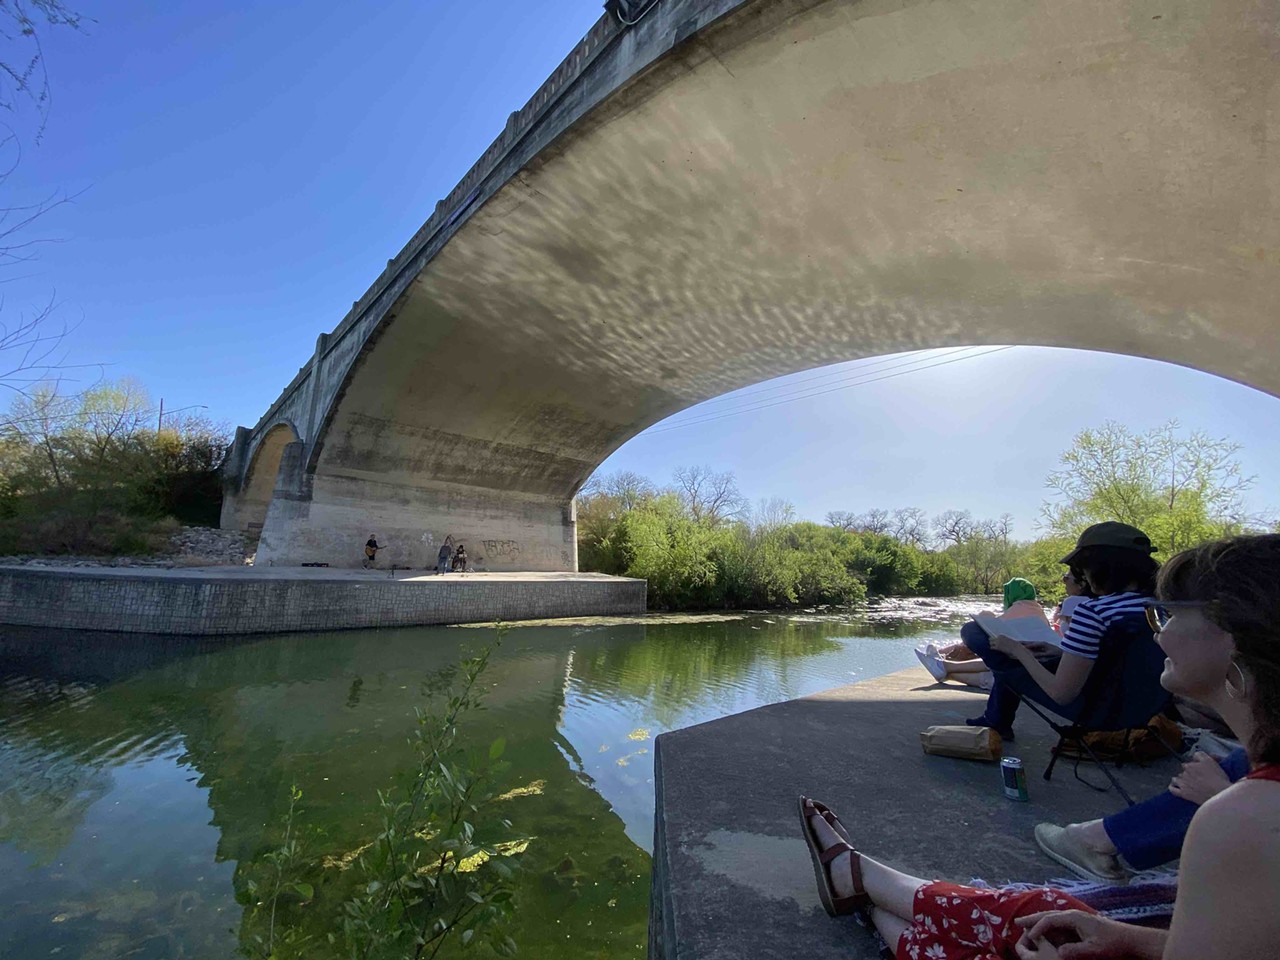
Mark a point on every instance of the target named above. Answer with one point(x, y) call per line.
point(1022, 629)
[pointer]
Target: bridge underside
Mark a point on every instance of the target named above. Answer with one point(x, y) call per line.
point(800, 184)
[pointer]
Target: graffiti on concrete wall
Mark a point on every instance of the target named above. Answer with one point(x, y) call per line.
point(503, 553)
point(501, 549)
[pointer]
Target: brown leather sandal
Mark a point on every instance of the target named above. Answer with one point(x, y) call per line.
point(827, 814)
point(835, 905)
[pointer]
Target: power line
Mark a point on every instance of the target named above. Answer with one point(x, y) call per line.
point(899, 361)
point(818, 393)
point(913, 362)
point(844, 371)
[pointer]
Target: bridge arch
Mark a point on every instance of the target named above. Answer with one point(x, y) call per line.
point(246, 509)
point(798, 184)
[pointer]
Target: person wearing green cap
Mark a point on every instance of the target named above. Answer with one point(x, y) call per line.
point(1116, 562)
point(958, 662)
point(1018, 589)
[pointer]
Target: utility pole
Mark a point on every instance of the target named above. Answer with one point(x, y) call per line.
point(160, 418)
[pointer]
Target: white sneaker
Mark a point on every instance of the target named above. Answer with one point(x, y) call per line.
point(930, 660)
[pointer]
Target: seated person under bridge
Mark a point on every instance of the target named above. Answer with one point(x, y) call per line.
point(460, 558)
point(1115, 560)
point(957, 662)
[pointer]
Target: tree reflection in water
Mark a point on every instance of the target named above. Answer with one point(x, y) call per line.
point(142, 776)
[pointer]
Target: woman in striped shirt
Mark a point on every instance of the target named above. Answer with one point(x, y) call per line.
point(1115, 560)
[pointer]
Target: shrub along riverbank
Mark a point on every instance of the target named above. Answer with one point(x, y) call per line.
point(101, 473)
point(702, 546)
point(696, 564)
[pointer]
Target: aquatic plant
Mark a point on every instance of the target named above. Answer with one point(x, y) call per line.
point(283, 867)
point(435, 873)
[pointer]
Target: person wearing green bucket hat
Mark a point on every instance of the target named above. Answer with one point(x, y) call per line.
point(1018, 589)
point(957, 662)
point(1117, 566)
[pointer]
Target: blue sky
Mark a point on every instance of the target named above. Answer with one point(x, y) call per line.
point(242, 172)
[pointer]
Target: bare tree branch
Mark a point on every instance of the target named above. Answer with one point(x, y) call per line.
point(910, 525)
point(31, 346)
point(23, 77)
point(842, 520)
point(954, 526)
point(710, 497)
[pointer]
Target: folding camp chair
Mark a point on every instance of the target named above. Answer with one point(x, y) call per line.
point(1122, 693)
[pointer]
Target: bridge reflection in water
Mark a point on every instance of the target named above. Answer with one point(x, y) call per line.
point(142, 777)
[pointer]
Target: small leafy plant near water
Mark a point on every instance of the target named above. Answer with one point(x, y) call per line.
point(433, 874)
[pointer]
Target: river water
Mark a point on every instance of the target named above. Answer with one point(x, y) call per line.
point(143, 779)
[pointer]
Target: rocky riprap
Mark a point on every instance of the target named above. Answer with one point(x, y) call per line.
point(189, 547)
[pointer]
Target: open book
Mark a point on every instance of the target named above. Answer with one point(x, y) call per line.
point(1022, 629)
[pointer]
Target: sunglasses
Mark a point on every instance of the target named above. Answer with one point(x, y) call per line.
point(1160, 612)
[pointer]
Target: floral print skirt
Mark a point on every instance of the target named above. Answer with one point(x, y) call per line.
point(952, 922)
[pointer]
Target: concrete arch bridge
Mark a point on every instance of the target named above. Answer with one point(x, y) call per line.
point(731, 190)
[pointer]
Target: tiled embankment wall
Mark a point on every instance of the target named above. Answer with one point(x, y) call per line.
point(202, 607)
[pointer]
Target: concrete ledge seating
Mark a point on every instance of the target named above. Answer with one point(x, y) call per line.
point(214, 601)
point(731, 873)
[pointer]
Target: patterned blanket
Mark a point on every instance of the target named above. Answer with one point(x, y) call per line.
point(1147, 900)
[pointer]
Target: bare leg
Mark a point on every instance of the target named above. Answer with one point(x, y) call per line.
point(955, 667)
point(891, 927)
point(889, 889)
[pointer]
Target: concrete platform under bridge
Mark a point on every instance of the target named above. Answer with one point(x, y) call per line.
point(731, 873)
point(205, 601)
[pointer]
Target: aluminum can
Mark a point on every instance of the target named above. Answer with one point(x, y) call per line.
point(1015, 778)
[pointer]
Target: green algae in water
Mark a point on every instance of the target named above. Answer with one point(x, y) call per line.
point(143, 780)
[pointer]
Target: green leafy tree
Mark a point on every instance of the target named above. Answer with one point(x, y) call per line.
point(986, 556)
point(695, 555)
point(182, 476)
point(602, 503)
point(91, 473)
point(1180, 488)
point(798, 563)
point(1041, 564)
point(885, 565)
point(939, 576)
point(699, 545)
point(671, 550)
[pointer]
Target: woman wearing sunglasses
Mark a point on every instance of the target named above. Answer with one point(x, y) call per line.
point(1115, 562)
point(1218, 622)
point(1148, 834)
point(1077, 593)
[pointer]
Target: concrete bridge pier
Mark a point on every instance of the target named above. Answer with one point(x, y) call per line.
point(233, 471)
point(327, 519)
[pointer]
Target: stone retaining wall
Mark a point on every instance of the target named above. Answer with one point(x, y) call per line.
point(169, 602)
